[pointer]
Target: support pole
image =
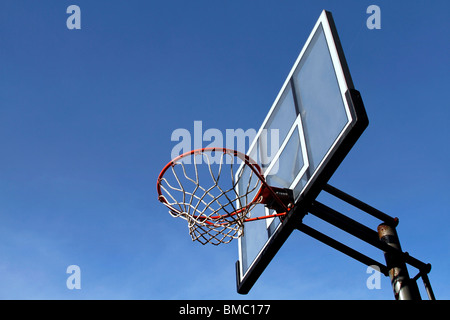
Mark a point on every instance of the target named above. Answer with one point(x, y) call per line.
point(342, 248)
point(427, 284)
point(361, 205)
point(404, 287)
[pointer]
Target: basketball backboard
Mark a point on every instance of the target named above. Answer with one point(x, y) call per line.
point(312, 125)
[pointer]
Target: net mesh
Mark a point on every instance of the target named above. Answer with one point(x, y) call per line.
point(202, 188)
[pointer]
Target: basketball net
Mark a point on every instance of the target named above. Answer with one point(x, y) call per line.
point(202, 187)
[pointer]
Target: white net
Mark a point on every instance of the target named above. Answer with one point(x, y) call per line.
point(202, 188)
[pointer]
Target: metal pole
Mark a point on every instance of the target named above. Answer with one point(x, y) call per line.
point(360, 205)
point(342, 248)
point(428, 289)
point(404, 287)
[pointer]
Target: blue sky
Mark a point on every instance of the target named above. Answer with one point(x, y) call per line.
point(86, 118)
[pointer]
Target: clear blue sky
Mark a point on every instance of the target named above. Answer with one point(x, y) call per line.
point(86, 118)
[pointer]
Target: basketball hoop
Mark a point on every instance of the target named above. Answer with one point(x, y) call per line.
point(201, 187)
